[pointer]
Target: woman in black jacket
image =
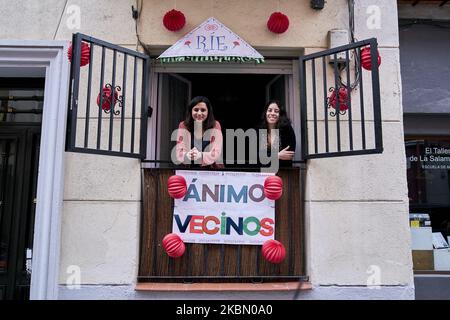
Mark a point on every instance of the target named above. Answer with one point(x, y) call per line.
point(275, 117)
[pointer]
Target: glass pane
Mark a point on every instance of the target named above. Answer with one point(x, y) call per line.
point(20, 105)
point(428, 163)
point(7, 163)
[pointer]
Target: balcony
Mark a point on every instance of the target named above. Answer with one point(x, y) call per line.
point(220, 263)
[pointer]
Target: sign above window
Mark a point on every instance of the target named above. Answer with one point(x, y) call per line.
point(211, 41)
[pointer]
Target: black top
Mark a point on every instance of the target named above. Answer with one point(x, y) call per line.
point(203, 143)
point(287, 138)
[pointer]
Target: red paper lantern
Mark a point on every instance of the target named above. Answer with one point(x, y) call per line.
point(174, 20)
point(273, 187)
point(366, 58)
point(343, 96)
point(278, 22)
point(273, 251)
point(85, 54)
point(107, 98)
point(173, 245)
point(176, 186)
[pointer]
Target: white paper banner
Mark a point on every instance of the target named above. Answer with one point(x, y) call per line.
point(212, 39)
point(224, 207)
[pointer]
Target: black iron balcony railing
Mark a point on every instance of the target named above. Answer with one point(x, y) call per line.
point(337, 118)
point(108, 99)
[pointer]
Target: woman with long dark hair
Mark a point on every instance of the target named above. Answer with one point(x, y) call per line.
point(275, 117)
point(199, 137)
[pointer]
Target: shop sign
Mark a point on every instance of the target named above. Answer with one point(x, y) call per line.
point(432, 158)
point(211, 41)
point(224, 207)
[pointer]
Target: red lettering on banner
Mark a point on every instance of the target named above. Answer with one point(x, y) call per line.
point(266, 223)
point(196, 224)
point(205, 227)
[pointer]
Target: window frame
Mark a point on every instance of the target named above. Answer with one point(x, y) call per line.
point(282, 65)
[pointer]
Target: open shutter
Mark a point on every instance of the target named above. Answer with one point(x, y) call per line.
point(340, 101)
point(108, 99)
point(175, 95)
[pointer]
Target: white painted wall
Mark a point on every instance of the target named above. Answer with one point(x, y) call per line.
point(356, 220)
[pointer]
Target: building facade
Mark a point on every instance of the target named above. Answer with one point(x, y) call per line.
point(88, 228)
point(426, 116)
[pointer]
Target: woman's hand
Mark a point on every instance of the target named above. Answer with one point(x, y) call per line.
point(285, 154)
point(194, 154)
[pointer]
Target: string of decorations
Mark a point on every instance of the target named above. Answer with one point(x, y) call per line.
point(174, 20)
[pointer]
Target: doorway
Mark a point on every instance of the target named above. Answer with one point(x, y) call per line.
point(21, 106)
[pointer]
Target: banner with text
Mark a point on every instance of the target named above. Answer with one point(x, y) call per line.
point(211, 41)
point(225, 208)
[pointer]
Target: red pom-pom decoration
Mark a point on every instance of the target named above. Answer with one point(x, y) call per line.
point(273, 251)
point(173, 245)
point(107, 98)
point(273, 187)
point(343, 96)
point(176, 186)
point(366, 60)
point(278, 22)
point(174, 20)
point(85, 54)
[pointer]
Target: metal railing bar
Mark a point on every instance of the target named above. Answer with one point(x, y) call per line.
point(108, 45)
point(75, 71)
point(100, 109)
point(345, 153)
point(337, 100)
point(88, 97)
point(349, 100)
point(313, 69)
point(113, 101)
point(124, 95)
point(376, 95)
point(303, 108)
point(133, 112)
point(106, 152)
point(144, 110)
point(338, 49)
point(325, 103)
point(361, 102)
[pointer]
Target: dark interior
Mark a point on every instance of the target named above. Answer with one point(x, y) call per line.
point(237, 99)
